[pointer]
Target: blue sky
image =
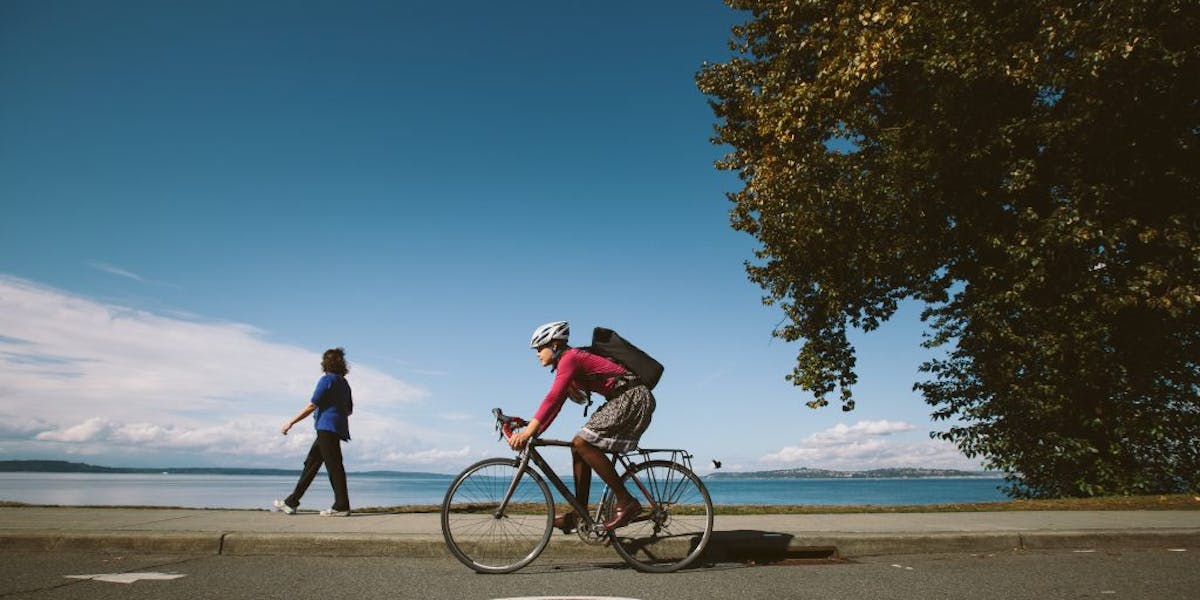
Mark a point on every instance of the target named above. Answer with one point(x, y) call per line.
point(200, 197)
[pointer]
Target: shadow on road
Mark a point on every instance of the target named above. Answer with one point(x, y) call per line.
point(764, 547)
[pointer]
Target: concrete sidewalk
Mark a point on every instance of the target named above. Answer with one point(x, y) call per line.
point(760, 537)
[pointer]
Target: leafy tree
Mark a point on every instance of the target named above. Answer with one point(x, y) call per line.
point(1029, 171)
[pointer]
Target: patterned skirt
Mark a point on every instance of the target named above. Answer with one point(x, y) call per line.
point(619, 423)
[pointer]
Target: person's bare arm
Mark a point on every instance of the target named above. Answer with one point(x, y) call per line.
point(300, 417)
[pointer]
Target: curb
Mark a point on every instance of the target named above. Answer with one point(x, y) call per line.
point(165, 543)
point(724, 546)
point(326, 544)
point(1172, 538)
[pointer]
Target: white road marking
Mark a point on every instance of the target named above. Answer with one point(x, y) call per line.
point(566, 598)
point(128, 577)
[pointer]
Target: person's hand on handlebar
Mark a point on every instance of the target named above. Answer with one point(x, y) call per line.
point(520, 439)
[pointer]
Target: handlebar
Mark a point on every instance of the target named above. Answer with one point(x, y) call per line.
point(506, 424)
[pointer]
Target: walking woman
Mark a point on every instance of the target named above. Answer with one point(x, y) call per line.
point(332, 404)
point(616, 426)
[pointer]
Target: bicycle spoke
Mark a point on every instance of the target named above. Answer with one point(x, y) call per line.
point(675, 527)
point(490, 542)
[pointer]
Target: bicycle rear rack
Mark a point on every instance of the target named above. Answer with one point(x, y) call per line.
point(677, 455)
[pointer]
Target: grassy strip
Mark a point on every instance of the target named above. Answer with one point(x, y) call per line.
point(1171, 502)
point(11, 504)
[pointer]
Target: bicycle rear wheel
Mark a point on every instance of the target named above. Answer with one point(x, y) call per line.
point(481, 537)
point(676, 521)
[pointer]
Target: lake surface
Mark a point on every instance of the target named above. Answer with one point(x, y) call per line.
point(257, 491)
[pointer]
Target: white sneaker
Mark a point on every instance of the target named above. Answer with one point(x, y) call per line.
point(329, 512)
point(281, 505)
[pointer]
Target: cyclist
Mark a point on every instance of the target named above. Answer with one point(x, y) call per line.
point(615, 427)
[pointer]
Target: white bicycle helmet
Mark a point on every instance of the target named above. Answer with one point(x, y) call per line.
point(558, 330)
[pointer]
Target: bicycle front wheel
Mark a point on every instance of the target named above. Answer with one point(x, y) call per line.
point(479, 534)
point(676, 521)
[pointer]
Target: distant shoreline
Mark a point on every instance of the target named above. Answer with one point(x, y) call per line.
point(62, 466)
point(889, 473)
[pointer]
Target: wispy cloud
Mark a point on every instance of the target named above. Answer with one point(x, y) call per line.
point(868, 445)
point(429, 457)
point(115, 270)
point(78, 376)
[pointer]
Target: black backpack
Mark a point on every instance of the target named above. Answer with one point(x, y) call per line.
point(606, 343)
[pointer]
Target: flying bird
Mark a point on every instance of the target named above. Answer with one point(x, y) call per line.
point(716, 464)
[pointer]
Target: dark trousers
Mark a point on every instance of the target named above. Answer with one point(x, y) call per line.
point(327, 450)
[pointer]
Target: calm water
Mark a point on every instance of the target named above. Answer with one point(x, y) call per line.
point(257, 491)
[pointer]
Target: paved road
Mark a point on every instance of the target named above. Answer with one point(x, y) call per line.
point(1160, 574)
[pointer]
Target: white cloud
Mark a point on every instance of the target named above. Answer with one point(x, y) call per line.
point(90, 430)
point(868, 445)
point(428, 457)
point(118, 271)
point(842, 432)
point(78, 376)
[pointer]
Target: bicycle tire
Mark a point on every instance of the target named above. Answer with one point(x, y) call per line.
point(491, 543)
point(674, 528)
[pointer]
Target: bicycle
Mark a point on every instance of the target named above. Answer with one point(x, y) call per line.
point(498, 514)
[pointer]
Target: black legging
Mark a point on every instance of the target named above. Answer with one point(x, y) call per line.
point(327, 450)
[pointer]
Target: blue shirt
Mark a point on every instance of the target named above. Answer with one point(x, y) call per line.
point(334, 405)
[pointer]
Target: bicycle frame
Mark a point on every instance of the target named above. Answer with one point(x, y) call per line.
point(530, 454)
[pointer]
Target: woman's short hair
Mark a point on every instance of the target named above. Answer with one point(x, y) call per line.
point(334, 361)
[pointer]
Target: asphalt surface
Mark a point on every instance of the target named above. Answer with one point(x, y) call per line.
point(1150, 574)
point(759, 538)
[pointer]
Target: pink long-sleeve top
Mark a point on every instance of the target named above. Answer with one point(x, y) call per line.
point(577, 369)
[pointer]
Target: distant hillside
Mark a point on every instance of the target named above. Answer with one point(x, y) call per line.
point(806, 473)
point(52, 466)
point(62, 466)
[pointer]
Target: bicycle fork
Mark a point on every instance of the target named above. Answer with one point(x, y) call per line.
point(512, 485)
